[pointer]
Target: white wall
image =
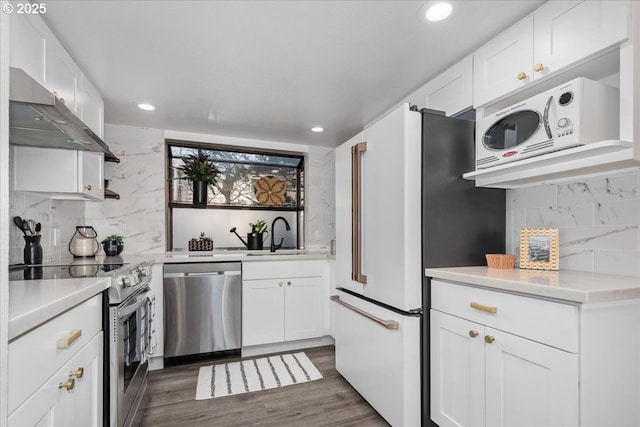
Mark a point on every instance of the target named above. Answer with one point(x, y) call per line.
point(598, 219)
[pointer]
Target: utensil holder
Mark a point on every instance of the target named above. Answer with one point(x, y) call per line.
point(32, 250)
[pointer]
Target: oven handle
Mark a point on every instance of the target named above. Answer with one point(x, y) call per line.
point(139, 301)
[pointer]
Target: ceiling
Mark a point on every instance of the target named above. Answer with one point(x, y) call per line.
point(267, 69)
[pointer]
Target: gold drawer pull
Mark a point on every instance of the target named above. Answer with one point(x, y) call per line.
point(79, 373)
point(522, 75)
point(538, 67)
point(74, 334)
point(473, 333)
point(68, 385)
point(489, 339)
point(486, 308)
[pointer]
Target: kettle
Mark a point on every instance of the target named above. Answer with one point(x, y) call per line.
point(84, 242)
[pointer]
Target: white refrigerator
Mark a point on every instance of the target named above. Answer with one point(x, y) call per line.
point(401, 206)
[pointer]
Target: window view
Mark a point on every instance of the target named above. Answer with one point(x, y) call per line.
point(250, 187)
point(246, 179)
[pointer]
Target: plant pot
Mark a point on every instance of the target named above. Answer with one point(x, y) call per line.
point(199, 193)
point(112, 248)
point(254, 241)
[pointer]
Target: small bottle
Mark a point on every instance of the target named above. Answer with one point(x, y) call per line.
point(32, 250)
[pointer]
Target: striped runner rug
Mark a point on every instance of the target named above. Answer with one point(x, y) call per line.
point(244, 376)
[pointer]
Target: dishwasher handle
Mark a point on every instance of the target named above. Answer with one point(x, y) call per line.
point(203, 274)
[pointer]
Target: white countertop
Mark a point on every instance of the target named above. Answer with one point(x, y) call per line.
point(244, 256)
point(33, 302)
point(566, 285)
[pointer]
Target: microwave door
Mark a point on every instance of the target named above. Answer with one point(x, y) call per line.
point(512, 130)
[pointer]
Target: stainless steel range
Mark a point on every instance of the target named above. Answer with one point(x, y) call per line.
point(130, 326)
point(127, 328)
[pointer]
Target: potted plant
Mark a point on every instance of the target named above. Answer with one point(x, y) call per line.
point(202, 243)
point(113, 244)
point(202, 172)
point(256, 237)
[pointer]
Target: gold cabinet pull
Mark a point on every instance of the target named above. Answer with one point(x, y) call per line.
point(473, 333)
point(289, 283)
point(70, 339)
point(280, 284)
point(538, 67)
point(88, 187)
point(486, 308)
point(69, 384)
point(522, 75)
point(78, 373)
point(489, 339)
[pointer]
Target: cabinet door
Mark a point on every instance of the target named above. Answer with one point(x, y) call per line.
point(498, 63)
point(457, 371)
point(91, 107)
point(51, 405)
point(303, 303)
point(62, 75)
point(568, 31)
point(27, 49)
point(391, 209)
point(262, 311)
point(91, 173)
point(343, 216)
point(451, 91)
point(528, 383)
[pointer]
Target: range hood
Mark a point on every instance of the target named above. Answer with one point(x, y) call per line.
point(38, 119)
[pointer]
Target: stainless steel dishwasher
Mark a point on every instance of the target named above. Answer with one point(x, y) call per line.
point(202, 311)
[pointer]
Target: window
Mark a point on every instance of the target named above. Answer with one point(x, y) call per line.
point(267, 183)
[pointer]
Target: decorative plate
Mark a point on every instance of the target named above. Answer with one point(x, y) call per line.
point(270, 191)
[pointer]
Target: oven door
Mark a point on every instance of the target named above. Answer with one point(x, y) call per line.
point(129, 364)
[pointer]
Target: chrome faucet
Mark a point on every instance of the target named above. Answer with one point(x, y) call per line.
point(274, 247)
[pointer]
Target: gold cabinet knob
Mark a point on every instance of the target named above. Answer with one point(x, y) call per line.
point(473, 333)
point(289, 283)
point(522, 75)
point(489, 339)
point(77, 373)
point(538, 67)
point(56, 95)
point(68, 385)
point(88, 187)
point(280, 284)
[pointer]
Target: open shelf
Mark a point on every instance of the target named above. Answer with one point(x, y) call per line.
point(110, 157)
point(108, 194)
point(592, 158)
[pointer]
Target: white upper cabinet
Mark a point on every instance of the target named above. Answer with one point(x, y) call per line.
point(35, 49)
point(504, 63)
point(91, 107)
point(557, 35)
point(451, 91)
point(568, 31)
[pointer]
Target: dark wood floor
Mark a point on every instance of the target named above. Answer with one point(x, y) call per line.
point(330, 401)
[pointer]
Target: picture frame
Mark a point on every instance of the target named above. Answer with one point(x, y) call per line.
point(539, 248)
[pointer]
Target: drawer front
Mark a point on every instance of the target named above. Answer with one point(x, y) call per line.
point(35, 356)
point(550, 323)
point(282, 269)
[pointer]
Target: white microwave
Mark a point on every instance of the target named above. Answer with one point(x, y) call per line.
point(578, 112)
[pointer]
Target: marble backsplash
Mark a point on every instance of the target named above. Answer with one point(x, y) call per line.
point(598, 219)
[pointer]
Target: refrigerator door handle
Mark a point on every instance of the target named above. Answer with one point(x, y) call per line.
point(356, 212)
point(389, 324)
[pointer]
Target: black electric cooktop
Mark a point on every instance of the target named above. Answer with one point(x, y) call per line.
point(68, 271)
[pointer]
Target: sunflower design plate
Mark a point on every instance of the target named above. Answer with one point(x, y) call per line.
point(270, 191)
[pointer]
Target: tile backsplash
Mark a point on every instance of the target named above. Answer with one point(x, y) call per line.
point(598, 219)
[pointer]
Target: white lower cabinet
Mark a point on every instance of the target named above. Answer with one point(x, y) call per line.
point(56, 370)
point(483, 376)
point(287, 307)
point(71, 397)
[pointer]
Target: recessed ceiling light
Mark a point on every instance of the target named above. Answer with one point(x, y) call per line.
point(437, 10)
point(146, 107)
point(317, 129)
